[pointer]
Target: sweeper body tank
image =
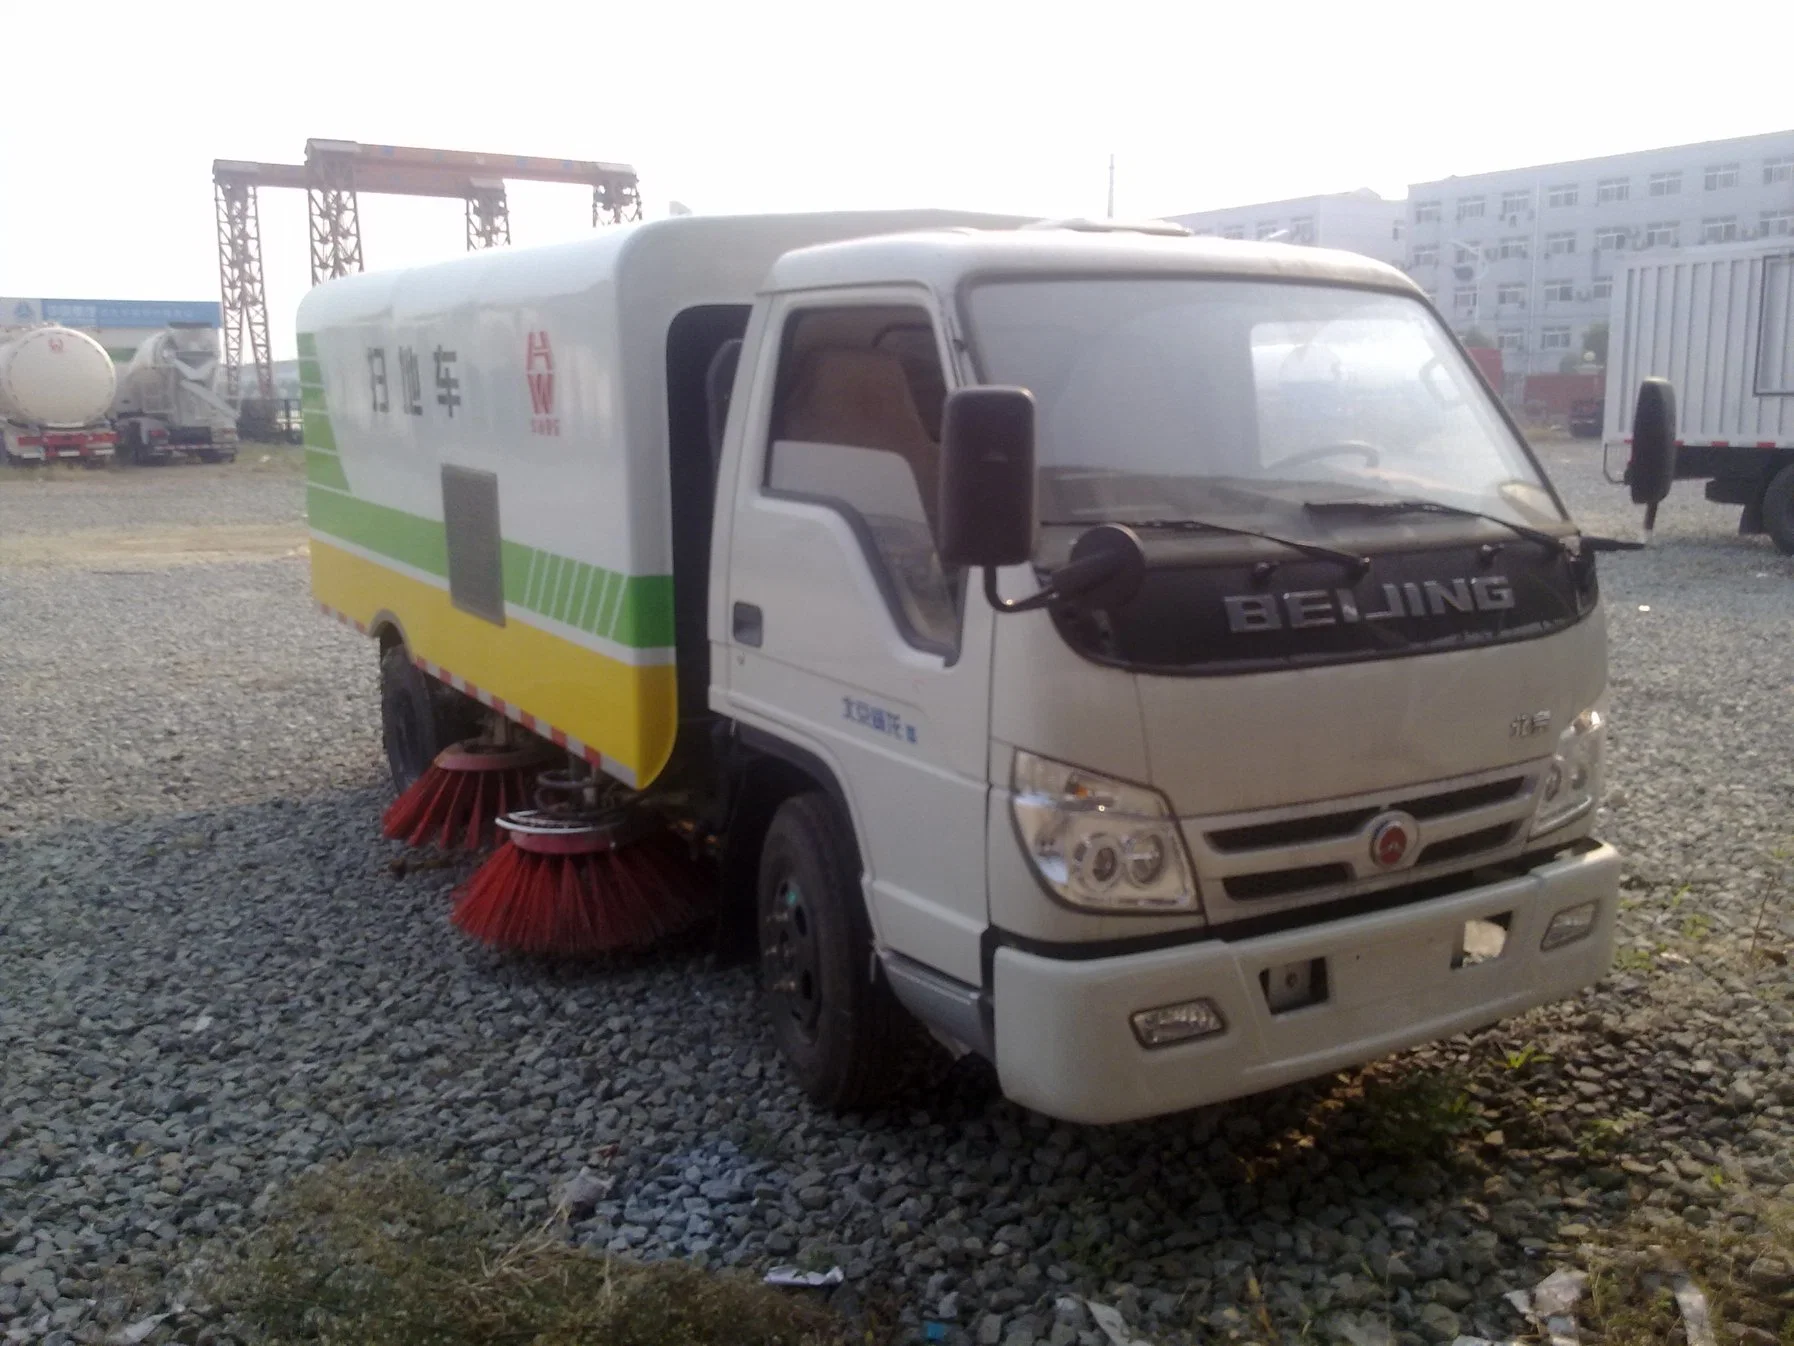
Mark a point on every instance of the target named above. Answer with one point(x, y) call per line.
point(1155, 664)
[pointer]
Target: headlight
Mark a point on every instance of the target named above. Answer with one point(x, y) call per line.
point(1573, 780)
point(1099, 843)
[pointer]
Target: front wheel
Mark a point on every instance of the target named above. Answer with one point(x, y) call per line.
point(418, 717)
point(834, 1019)
point(1778, 510)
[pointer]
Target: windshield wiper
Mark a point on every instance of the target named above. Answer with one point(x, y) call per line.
point(1538, 535)
point(1358, 564)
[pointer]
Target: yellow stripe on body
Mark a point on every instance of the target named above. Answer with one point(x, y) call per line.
point(630, 713)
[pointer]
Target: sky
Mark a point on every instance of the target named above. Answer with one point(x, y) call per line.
point(113, 114)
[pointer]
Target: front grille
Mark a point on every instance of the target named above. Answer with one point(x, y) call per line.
point(1271, 860)
point(1290, 831)
point(1283, 882)
point(1470, 797)
point(1456, 848)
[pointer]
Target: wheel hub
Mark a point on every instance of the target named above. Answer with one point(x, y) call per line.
point(793, 972)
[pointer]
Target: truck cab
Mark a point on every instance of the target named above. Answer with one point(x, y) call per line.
point(1318, 788)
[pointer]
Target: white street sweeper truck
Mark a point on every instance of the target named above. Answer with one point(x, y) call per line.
point(170, 399)
point(56, 386)
point(1158, 665)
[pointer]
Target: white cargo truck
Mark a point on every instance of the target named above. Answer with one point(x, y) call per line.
point(56, 385)
point(1715, 323)
point(1155, 664)
point(170, 400)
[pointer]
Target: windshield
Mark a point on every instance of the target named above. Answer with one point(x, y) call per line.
point(1220, 399)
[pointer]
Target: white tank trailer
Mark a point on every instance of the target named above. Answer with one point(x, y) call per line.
point(56, 387)
point(169, 399)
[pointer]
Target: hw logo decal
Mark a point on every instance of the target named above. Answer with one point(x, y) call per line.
point(538, 370)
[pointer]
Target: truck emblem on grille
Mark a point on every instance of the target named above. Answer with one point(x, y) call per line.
point(1391, 836)
point(1340, 607)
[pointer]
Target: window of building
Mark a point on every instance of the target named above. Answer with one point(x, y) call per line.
point(1513, 203)
point(1609, 239)
point(1510, 293)
point(1665, 184)
point(1554, 338)
point(1602, 290)
point(1558, 197)
point(1510, 339)
point(1426, 212)
point(1234, 231)
point(1609, 190)
point(1663, 234)
point(1470, 207)
point(1425, 254)
point(1559, 291)
point(1560, 245)
point(1720, 176)
point(1264, 229)
point(856, 427)
point(1463, 299)
point(1510, 248)
point(1719, 229)
point(1396, 231)
point(1301, 229)
point(1778, 170)
point(1777, 223)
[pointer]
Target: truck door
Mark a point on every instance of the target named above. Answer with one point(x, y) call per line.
point(843, 634)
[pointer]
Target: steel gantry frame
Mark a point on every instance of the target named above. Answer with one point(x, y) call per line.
point(333, 177)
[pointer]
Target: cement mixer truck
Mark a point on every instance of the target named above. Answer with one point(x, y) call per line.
point(56, 386)
point(1155, 664)
point(169, 400)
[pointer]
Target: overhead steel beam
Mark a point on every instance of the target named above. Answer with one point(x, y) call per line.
point(333, 177)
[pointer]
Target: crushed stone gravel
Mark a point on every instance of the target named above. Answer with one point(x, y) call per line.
point(213, 975)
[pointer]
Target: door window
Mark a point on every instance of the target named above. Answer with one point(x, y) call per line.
point(856, 426)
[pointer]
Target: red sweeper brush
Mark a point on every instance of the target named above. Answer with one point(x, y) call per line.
point(578, 886)
point(456, 802)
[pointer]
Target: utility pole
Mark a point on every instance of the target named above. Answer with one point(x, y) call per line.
point(1111, 186)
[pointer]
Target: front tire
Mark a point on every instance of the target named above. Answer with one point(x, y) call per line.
point(835, 1020)
point(1778, 510)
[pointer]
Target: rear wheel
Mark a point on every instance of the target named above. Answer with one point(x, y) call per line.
point(834, 1019)
point(419, 717)
point(1778, 510)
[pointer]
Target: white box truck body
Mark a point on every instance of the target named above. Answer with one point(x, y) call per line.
point(1718, 323)
point(1320, 787)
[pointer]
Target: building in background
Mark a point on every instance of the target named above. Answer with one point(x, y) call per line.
point(1359, 221)
point(1526, 256)
point(120, 325)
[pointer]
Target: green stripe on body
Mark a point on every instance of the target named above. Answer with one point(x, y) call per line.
point(311, 398)
point(634, 610)
point(308, 346)
point(318, 434)
point(325, 469)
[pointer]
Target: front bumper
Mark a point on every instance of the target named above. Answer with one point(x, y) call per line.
point(1065, 1045)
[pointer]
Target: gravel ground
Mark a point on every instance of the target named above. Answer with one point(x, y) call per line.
point(213, 975)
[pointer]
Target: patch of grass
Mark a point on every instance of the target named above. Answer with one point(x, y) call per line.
point(1420, 1114)
point(381, 1255)
point(1747, 1279)
point(1521, 1058)
point(1634, 959)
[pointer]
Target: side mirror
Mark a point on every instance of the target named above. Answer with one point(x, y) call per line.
point(987, 477)
point(1652, 467)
